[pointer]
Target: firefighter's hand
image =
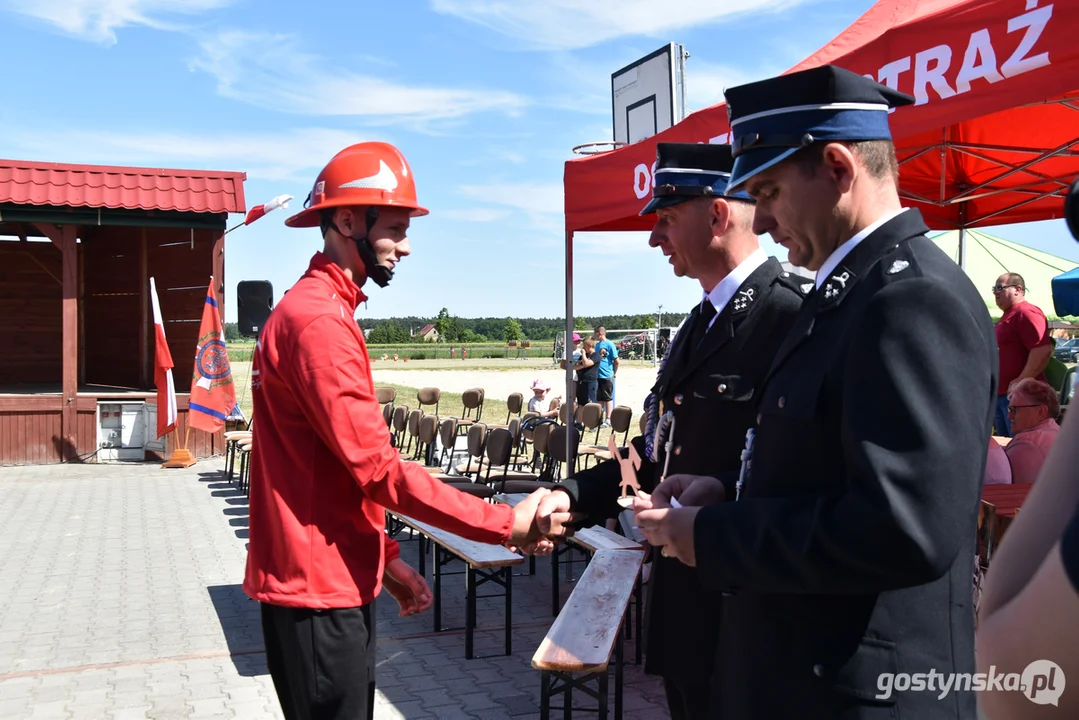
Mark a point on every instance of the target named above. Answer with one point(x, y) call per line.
point(689, 490)
point(553, 516)
point(525, 534)
point(407, 587)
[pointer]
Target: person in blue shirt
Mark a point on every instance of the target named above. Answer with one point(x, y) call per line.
point(608, 369)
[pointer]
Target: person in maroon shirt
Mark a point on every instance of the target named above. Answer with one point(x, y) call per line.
point(1022, 341)
point(323, 468)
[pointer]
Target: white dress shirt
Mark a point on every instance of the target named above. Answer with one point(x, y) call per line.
point(727, 287)
point(843, 250)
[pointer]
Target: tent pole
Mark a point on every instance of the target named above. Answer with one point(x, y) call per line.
point(567, 345)
point(963, 237)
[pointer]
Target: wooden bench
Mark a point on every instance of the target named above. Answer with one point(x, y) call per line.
point(485, 563)
point(592, 540)
point(577, 649)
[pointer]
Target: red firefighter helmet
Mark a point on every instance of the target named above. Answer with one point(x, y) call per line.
point(367, 174)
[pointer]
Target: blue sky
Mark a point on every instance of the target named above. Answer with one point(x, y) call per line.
point(485, 97)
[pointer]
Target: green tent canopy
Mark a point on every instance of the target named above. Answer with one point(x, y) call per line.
point(988, 257)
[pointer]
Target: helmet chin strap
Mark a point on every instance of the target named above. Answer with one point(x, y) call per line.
point(375, 271)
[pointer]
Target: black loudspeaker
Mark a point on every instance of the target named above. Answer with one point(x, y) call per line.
point(665, 333)
point(254, 301)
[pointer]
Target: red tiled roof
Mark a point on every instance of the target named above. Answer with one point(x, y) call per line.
point(426, 329)
point(129, 188)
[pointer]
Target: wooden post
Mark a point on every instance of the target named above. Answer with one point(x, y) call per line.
point(144, 316)
point(81, 252)
point(69, 413)
point(219, 274)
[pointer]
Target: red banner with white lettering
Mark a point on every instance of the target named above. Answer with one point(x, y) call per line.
point(990, 141)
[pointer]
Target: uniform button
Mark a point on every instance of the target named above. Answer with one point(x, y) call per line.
point(782, 402)
point(818, 670)
point(678, 399)
point(786, 274)
point(678, 450)
point(723, 387)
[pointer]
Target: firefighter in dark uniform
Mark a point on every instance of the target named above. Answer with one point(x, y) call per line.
point(847, 555)
point(709, 384)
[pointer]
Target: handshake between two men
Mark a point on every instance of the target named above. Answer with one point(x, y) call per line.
point(665, 516)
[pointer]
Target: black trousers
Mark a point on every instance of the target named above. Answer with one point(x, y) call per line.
point(322, 661)
point(687, 700)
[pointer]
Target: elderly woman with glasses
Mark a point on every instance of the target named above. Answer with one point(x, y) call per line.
point(1033, 407)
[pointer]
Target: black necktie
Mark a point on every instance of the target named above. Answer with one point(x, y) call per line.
point(707, 312)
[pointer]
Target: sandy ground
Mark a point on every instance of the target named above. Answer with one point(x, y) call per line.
point(631, 386)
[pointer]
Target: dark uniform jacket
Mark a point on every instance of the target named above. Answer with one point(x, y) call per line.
point(850, 551)
point(713, 393)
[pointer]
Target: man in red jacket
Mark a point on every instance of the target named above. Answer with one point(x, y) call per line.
point(323, 470)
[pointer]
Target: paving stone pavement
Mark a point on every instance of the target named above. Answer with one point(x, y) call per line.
point(123, 600)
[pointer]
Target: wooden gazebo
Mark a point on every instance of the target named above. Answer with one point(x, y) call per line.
point(78, 244)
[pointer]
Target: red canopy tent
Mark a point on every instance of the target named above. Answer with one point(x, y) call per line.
point(991, 139)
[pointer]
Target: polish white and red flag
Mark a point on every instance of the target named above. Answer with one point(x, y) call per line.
point(166, 389)
point(259, 210)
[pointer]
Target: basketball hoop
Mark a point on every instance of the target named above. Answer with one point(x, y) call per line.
point(597, 148)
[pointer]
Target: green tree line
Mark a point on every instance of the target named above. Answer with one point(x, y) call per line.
point(454, 329)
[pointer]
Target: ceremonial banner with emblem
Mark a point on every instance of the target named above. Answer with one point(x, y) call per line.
point(166, 389)
point(213, 395)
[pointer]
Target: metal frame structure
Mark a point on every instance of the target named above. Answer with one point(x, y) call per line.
point(1042, 187)
point(549, 685)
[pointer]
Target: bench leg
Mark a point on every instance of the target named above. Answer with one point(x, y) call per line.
point(602, 682)
point(567, 700)
point(438, 584)
point(545, 695)
point(509, 608)
point(638, 611)
point(618, 677)
point(554, 581)
point(230, 457)
point(470, 611)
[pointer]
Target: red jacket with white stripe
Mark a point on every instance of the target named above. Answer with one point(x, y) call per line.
point(322, 466)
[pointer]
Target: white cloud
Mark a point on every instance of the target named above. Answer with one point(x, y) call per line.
point(613, 244)
point(542, 204)
point(538, 198)
point(569, 24)
point(480, 215)
point(98, 20)
point(272, 72)
point(292, 155)
point(705, 82)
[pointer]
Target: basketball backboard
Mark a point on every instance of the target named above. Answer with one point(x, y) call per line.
point(649, 95)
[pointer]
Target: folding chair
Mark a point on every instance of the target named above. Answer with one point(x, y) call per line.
point(556, 450)
point(591, 419)
point(498, 451)
point(472, 399)
point(400, 424)
point(414, 418)
point(477, 441)
point(514, 404)
point(428, 396)
point(447, 432)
